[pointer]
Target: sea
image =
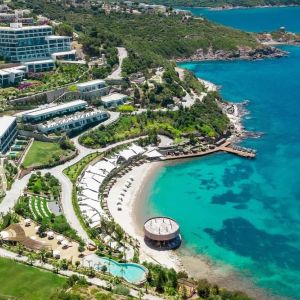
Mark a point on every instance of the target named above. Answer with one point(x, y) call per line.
point(238, 213)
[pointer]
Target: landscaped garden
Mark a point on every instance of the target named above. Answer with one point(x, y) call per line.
point(205, 118)
point(28, 283)
point(47, 154)
point(39, 207)
point(46, 186)
point(41, 82)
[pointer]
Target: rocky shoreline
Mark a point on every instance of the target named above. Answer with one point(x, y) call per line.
point(241, 53)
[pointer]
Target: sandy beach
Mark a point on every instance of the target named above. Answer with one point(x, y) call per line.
point(129, 218)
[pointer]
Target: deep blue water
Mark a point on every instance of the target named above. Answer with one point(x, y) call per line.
point(238, 212)
point(254, 19)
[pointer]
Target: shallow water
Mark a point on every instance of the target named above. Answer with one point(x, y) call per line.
point(238, 212)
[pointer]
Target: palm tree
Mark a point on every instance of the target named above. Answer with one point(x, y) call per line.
point(56, 266)
point(31, 258)
point(42, 255)
point(122, 272)
point(20, 249)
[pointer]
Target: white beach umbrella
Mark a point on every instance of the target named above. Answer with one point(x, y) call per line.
point(60, 238)
point(27, 222)
point(65, 243)
point(56, 254)
point(50, 234)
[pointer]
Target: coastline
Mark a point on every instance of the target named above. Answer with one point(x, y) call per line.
point(131, 218)
point(220, 8)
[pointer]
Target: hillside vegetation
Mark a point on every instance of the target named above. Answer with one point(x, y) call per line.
point(150, 39)
point(221, 3)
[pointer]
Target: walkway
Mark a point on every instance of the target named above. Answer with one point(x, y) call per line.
point(117, 74)
point(66, 185)
point(96, 281)
point(225, 148)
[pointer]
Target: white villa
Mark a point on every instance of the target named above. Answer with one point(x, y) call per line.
point(93, 88)
point(113, 100)
point(73, 122)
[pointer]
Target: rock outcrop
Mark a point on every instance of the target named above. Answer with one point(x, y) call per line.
point(241, 53)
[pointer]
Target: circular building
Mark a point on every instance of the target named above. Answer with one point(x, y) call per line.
point(162, 232)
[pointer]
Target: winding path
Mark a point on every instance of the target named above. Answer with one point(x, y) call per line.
point(117, 74)
point(66, 185)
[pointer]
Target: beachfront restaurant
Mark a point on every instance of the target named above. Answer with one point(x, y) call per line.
point(162, 232)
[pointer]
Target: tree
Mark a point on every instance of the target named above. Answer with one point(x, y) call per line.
point(20, 249)
point(77, 264)
point(203, 289)
point(64, 29)
point(42, 255)
point(160, 282)
point(81, 249)
point(31, 258)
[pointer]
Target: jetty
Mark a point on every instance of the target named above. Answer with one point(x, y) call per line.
point(225, 147)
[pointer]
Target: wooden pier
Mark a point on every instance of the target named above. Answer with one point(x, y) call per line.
point(243, 152)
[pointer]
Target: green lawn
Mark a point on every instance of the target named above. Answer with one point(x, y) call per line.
point(27, 283)
point(42, 153)
point(39, 207)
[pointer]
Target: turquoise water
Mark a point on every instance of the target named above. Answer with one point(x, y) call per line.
point(245, 213)
point(254, 19)
point(131, 272)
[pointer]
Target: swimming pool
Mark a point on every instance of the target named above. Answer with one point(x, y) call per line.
point(131, 272)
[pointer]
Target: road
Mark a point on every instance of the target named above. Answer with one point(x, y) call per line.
point(117, 74)
point(66, 186)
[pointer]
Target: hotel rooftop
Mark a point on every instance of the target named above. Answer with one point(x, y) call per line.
point(51, 111)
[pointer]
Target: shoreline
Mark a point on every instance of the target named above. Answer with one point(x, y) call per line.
point(132, 217)
point(221, 8)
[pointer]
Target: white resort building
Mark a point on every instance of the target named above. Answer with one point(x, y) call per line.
point(113, 100)
point(8, 132)
point(51, 111)
point(20, 43)
point(12, 76)
point(93, 88)
point(73, 122)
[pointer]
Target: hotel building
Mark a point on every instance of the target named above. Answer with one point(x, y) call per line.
point(11, 76)
point(8, 132)
point(113, 100)
point(52, 111)
point(93, 88)
point(26, 43)
point(73, 122)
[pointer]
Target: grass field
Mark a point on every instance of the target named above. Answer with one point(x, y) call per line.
point(42, 153)
point(27, 283)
